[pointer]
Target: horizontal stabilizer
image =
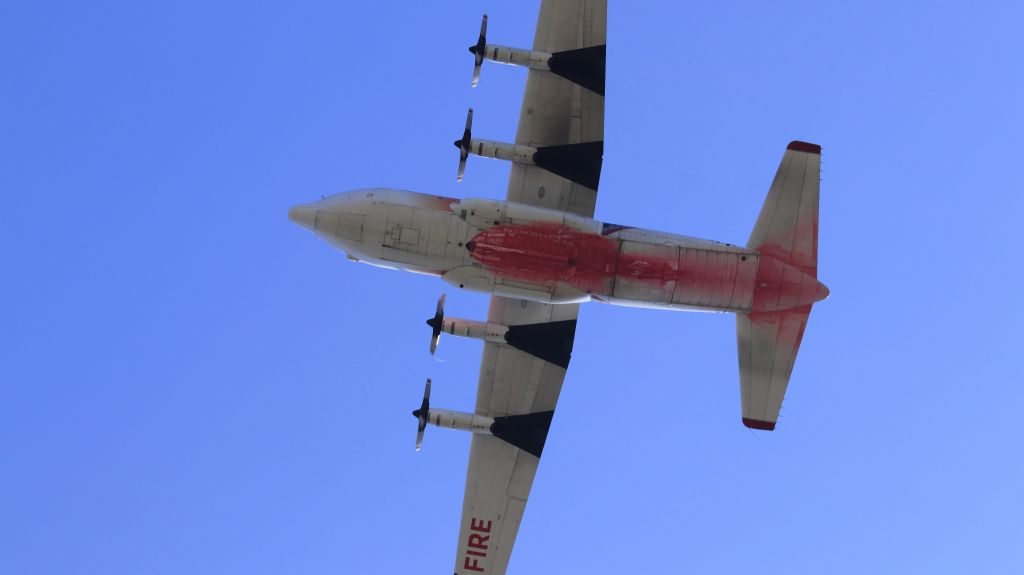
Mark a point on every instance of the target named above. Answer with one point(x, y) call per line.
point(786, 238)
point(768, 344)
point(787, 227)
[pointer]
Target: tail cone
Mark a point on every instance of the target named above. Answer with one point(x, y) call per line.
point(821, 292)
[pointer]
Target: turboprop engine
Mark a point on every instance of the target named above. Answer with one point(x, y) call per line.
point(462, 328)
point(579, 162)
point(583, 66)
point(527, 432)
point(550, 341)
point(447, 418)
point(467, 145)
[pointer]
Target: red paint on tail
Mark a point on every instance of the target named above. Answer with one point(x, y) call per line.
point(780, 285)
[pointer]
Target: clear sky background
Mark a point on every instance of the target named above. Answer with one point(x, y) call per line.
point(191, 384)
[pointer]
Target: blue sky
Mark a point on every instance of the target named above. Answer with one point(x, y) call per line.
point(191, 384)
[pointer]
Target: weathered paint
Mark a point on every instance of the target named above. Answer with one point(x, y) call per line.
point(782, 286)
point(613, 269)
point(533, 253)
point(544, 253)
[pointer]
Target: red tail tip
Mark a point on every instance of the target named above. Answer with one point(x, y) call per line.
point(758, 424)
point(804, 147)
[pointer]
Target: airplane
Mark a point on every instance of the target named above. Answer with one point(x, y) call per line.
point(539, 254)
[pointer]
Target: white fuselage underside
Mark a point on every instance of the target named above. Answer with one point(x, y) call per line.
point(533, 253)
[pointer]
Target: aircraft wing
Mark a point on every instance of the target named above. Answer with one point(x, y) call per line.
point(562, 115)
point(519, 385)
point(500, 474)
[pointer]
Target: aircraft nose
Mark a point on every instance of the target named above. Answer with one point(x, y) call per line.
point(303, 215)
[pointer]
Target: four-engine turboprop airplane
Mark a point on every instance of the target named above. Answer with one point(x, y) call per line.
point(539, 254)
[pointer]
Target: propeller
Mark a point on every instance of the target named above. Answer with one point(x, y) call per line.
point(463, 144)
point(421, 414)
point(436, 323)
point(478, 51)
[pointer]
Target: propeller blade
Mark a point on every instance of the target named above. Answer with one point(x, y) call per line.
point(421, 415)
point(464, 143)
point(436, 324)
point(478, 51)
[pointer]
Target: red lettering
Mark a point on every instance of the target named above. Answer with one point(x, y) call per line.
point(478, 541)
point(474, 567)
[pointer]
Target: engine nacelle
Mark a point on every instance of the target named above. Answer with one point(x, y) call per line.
point(517, 153)
point(535, 59)
point(583, 66)
point(482, 214)
point(475, 329)
point(550, 341)
point(527, 432)
point(461, 420)
point(578, 162)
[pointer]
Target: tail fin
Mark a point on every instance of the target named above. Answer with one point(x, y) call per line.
point(786, 236)
point(787, 227)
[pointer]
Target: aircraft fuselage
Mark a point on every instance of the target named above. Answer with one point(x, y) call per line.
point(526, 252)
